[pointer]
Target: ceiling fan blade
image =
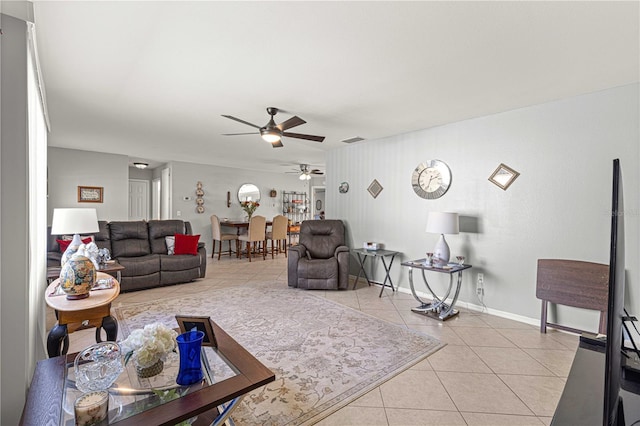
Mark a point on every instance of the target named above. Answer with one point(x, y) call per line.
point(277, 144)
point(301, 136)
point(236, 134)
point(241, 121)
point(292, 122)
point(316, 172)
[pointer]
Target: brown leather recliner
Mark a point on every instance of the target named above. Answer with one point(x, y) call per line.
point(321, 260)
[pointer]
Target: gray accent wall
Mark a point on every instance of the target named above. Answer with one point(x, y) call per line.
point(559, 207)
point(69, 168)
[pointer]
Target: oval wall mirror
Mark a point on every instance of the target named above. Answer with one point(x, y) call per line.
point(248, 192)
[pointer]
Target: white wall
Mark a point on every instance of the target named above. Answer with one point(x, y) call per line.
point(15, 372)
point(216, 181)
point(557, 208)
point(69, 168)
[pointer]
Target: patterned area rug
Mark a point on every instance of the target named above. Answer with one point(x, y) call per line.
point(324, 355)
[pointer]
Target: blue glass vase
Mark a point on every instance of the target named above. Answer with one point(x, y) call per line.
point(189, 346)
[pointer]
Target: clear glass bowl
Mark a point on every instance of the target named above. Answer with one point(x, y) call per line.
point(98, 366)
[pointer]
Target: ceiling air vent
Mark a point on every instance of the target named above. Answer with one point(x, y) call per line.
point(352, 140)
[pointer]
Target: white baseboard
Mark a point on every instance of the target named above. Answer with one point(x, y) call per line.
point(472, 307)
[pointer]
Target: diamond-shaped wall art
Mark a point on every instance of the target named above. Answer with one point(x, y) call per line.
point(375, 188)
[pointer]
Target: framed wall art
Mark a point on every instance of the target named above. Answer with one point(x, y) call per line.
point(90, 194)
point(503, 176)
point(375, 188)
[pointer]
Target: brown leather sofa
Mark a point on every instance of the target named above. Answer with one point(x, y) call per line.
point(140, 247)
point(321, 260)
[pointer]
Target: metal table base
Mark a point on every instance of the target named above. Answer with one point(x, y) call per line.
point(438, 308)
point(363, 254)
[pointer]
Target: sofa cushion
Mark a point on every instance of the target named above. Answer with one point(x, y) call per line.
point(140, 283)
point(140, 265)
point(129, 239)
point(158, 229)
point(186, 244)
point(179, 262)
point(103, 233)
point(175, 277)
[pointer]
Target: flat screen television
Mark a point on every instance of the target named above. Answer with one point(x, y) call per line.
point(613, 410)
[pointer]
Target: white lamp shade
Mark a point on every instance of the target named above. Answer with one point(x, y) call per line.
point(443, 223)
point(74, 221)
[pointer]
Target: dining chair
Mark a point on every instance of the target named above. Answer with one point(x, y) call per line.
point(216, 231)
point(256, 234)
point(278, 234)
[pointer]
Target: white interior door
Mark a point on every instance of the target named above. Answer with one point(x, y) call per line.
point(138, 199)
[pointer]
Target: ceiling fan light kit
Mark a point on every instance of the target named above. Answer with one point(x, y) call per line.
point(272, 132)
point(270, 135)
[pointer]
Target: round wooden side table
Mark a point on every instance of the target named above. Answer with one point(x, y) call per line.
point(72, 315)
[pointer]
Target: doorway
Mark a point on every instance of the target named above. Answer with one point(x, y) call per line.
point(317, 202)
point(138, 199)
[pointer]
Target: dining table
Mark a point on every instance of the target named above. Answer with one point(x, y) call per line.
point(239, 224)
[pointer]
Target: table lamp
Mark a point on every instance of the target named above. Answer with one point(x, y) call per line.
point(442, 223)
point(76, 222)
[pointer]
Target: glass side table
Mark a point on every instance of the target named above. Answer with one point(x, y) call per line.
point(363, 254)
point(229, 373)
point(437, 308)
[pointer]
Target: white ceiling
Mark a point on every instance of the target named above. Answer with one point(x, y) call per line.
point(152, 79)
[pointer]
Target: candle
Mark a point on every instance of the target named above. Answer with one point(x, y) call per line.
point(92, 408)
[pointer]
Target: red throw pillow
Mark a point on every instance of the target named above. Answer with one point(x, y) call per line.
point(64, 244)
point(186, 244)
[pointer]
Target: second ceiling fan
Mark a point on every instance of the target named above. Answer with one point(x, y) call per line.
point(272, 132)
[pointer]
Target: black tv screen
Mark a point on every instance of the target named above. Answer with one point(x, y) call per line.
point(613, 412)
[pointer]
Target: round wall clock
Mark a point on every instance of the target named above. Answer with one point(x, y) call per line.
point(431, 179)
point(343, 188)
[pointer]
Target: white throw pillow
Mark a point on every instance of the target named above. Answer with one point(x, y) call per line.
point(171, 243)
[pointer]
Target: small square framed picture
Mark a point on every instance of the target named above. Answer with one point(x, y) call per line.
point(90, 194)
point(503, 176)
point(188, 323)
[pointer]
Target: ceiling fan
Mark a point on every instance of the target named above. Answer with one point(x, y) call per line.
point(306, 172)
point(272, 132)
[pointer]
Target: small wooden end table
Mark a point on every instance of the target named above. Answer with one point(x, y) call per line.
point(73, 315)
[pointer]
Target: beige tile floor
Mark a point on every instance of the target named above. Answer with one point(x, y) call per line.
point(493, 371)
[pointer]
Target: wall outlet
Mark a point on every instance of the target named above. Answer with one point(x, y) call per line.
point(480, 284)
point(178, 213)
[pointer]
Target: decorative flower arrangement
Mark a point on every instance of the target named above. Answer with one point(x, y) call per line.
point(249, 207)
point(149, 345)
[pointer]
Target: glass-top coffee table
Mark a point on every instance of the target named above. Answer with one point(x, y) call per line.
point(229, 373)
